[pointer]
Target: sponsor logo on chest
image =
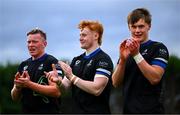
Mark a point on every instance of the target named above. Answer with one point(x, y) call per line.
point(77, 62)
point(40, 67)
point(144, 52)
point(25, 68)
point(90, 63)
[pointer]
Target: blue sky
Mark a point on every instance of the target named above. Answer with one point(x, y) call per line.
point(59, 19)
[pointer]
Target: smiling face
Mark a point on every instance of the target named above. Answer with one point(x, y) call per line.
point(88, 38)
point(140, 30)
point(36, 45)
point(139, 23)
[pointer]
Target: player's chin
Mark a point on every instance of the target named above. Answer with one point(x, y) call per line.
point(138, 38)
point(83, 46)
point(33, 54)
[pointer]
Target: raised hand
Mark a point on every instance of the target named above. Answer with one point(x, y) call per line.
point(123, 50)
point(17, 76)
point(67, 69)
point(133, 46)
point(53, 75)
point(22, 80)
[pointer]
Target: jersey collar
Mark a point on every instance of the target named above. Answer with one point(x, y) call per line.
point(146, 43)
point(40, 59)
point(92, 53)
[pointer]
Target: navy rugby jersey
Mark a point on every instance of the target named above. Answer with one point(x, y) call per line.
point(139, 95)
point(33, 102)
point(85, 67)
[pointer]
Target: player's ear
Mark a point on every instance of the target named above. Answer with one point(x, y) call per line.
point(96, 35)
point(45, 43)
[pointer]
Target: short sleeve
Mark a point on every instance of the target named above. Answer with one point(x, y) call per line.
point(161, 56)
point(72, 62)
point(104, 66)
point(23, 66)
point(53, 60)
point(59, 70)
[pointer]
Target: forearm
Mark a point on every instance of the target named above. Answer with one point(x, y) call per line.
point(16, 94)
point(95, 87)
point(118, 74)
point(48, 90)
point(64, 84)
point(152, 73)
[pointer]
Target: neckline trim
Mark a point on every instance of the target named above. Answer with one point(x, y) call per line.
point(146, 43)
point(40, 58)
point(92, 53)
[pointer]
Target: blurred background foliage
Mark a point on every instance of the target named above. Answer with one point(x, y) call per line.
point(171, 83)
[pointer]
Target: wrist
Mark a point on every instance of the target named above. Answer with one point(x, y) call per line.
point(59, 83)
point(72, 78)
point(122, 58)
point(76, 80)
point(138, 58)
point(17, 88)
point(122, 62)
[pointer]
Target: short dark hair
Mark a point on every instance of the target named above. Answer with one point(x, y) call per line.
point(36, 31)
point(139, 13)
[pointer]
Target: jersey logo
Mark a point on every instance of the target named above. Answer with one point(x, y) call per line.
point(40, 67)
point(77, 62)
point(162, 51)
point(103, 64)
point(25, 67)
point(144, 52)
point(42, 81)
point(90, 63)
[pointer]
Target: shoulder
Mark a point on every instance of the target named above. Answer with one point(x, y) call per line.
point(103, 55)
point(103, 64)
point(51, 58)
point(78, 57)
point(25, 62)
point(104, 59)
point(160, 48)
point(158, 44)
point(161, 55)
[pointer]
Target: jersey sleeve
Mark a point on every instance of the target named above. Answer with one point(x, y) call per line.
point(22, 67)
point(73, 62)
point(161, 56)
point(104, 66)
point(58, 67)
point(59, 70)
